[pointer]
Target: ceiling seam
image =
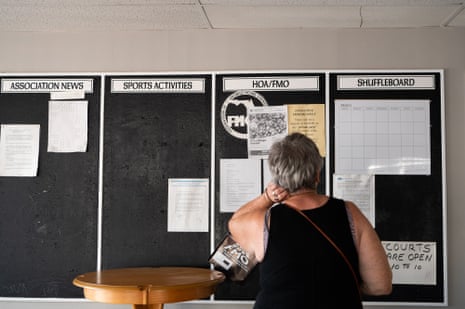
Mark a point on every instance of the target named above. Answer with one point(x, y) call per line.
point(452, 16)
point(361, 17)
point(202, 7)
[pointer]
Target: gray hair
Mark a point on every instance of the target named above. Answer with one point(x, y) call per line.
point(295, 162)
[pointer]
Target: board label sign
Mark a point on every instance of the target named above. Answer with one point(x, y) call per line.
point(305, 83)
point(161, 85)
point(31, 85)
point(387, 82)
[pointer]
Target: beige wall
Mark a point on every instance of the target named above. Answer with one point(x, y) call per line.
point(218, 50)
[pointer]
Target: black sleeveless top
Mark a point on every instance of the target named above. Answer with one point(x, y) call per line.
point(301, 269)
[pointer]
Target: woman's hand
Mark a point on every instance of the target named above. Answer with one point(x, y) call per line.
point(275, 193)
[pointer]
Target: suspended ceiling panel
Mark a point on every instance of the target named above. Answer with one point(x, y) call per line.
point(405, 16)
point(236, 17)
point(151, 15)
point(100, 17)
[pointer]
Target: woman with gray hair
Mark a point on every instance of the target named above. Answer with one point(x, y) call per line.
point(315, 251)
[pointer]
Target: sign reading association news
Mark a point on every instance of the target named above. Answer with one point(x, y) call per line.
point(45, 85)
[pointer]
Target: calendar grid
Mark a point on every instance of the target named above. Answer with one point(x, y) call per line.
point(382, 137)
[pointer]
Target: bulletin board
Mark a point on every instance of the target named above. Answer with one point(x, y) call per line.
point(108, 206)
point(157, 127)
point(48, 230)
point(235, 94)
point(390, 125)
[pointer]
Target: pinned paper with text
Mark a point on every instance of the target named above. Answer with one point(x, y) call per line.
point(412, 262)
point(188, 205)
point(19, 150)
point(359, 189)
point(240, 182)
point(382, 137)
point(67, 126)
point(308, 119)
point(267, 124)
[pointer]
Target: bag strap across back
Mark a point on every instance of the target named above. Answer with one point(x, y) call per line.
point(332, 243)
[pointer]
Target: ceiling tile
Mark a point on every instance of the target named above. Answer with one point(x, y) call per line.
point(405, 16)
point(116, 17)
point(332, 2)
point(44, 3)
point(150, 15)
point(242, 17)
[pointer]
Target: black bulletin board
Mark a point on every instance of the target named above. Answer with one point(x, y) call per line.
point(410, 208)
point(151, 136)
point(110, 203)
point(229, 146)
point(48, 230)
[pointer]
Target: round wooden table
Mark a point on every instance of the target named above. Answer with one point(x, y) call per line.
point(147, 287)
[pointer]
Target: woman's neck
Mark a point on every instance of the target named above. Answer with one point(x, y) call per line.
point(306, 199)
point(306, 191)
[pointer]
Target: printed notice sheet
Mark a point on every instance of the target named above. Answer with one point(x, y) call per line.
point(308, 119)
point(19, 149)
point(67, 126)
point(382, 137)
point(412, 262)
point(67, 95)
point(359, 189)
point(266, 124)
point(188, 205)
point(267, 178)
point(240, 182)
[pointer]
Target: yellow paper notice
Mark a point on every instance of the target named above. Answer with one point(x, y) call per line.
point(308, 119)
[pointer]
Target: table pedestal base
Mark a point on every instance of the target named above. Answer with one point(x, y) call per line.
point(151, 306)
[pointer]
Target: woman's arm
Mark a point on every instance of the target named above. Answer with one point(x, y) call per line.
point(373, 263)
point(247, 223)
